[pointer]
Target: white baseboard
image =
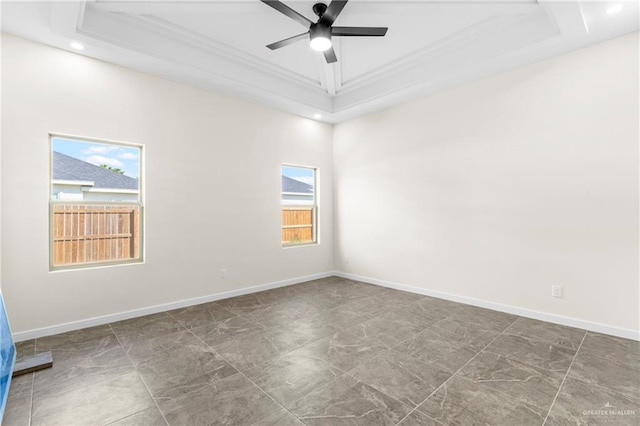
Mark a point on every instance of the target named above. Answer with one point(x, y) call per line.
point(105, 319)
point(528, 313)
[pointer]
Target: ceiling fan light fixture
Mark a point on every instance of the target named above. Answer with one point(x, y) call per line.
point(320, 44)
point(320, 36)
point(320, 33)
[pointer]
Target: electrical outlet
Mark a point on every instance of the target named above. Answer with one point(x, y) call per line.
point(223, 274)
point(557, 291)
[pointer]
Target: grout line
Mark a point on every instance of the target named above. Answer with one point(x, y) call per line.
point(564, 379)
point(139, 376)
point(231, 365)
point(456, 373)
point(33, 382)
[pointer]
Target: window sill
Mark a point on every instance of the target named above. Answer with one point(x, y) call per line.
point(289, 246)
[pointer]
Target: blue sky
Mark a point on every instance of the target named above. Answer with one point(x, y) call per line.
point(302, 174)
point(119, 156)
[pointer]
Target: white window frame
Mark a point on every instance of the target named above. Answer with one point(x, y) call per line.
point(292, 205)
point(139, 204)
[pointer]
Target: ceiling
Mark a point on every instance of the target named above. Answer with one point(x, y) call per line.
point(220, 45)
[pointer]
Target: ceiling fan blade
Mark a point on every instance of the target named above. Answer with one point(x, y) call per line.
point(288, 41)
point(332, 12)
point(358, 31)
point(286, 10)
point(330, 55)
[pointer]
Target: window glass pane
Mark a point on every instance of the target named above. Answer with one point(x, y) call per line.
point(91, 233)
point(91, 171)
point(298, 185)
point(298, 205)
point(95, 207)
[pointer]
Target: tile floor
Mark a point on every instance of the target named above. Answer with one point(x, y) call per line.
point(330, 352)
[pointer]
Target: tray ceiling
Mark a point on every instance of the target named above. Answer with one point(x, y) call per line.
point(220, 45)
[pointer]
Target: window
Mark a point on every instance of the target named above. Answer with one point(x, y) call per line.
point(95, 204)
point(299, 205)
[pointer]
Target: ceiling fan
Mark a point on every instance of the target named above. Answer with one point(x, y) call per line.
point(320, 32)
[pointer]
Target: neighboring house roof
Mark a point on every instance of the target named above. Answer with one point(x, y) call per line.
point(69, 168)
point(292, 185)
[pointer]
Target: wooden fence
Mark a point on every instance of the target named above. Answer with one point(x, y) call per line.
point(297, 226)
point(94, 233)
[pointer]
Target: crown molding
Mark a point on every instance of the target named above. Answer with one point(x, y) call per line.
point(140, 35)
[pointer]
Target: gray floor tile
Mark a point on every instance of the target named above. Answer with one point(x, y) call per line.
point(443, 307)
point(225, 330)
point(532, 386)
point(391, 328)
point(309, 305)
point(248, 350)
point(247, 303)
point(73, 339)
point(401, 376)
point(292, 376)
point(341, 318)
point(428, 315)
point(95, 360)
point(437, 350)
point(462, 402)
point(279, 418)
point(147, 327)
point(100, 403)
point(18, 409)
point(21, 385)
point(149, 417)
point(492, 320)
point(619, 375)
point(346, 401)
point(25, 349)
point(616, 348)
point(231, 401)
point(183, 369)
point(555, 334)
point(534, 352)
point(418, 419)
point(346, 291)
point(397, 298)
point(206, 314)
point(300, 332)
point(161, 346)
point(346, 350)
point(474, 335)
point(274, 315)
point(367, 307)
point(580, 403)
point(341, 293)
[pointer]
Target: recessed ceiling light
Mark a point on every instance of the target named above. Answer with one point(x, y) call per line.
point(77, 46)
point(317, 116)
point(613, 9)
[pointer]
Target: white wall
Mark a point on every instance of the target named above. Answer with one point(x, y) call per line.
point(499, 189)
point(492, 191)
point(212, 186)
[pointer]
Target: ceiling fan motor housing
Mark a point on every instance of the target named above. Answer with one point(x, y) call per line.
point(319, 9)
point(320, 30)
